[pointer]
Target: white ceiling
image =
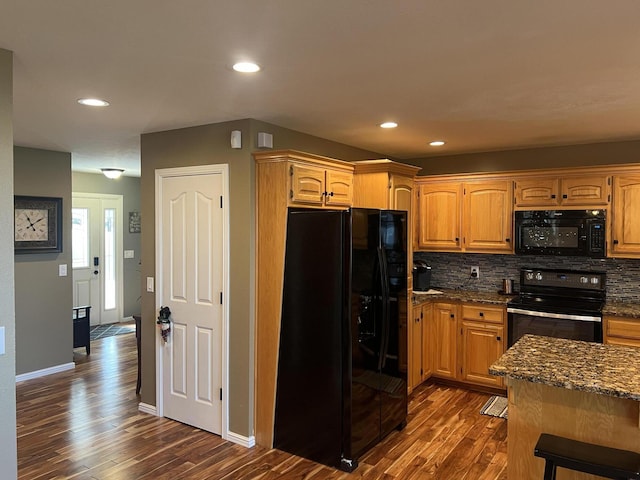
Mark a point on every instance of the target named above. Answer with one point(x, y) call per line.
point(483, 75)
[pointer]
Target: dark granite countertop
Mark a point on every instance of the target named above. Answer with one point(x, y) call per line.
point(611, 308)
point(463, 296)
point(622, 309)
point(611, 370)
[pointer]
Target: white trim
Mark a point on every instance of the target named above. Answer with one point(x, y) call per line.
point(146, 408)
point(45, 371)
point(161, 173)
point(247, 442)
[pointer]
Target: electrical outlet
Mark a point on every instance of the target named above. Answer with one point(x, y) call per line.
point(475, 272)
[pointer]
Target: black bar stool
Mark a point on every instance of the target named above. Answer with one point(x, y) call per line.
point(586, 457)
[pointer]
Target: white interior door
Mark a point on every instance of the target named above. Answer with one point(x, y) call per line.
point(97, 255)
point(191, 232)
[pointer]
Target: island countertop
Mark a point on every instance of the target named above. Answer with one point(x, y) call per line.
point(611, 370)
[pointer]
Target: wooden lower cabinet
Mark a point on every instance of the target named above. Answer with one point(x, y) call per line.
point(622, 331)
point(456, 342)
point(443, 340)
point(482, 344)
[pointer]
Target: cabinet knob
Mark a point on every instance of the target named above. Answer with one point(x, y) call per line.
point(452, 315)
point(498, 338)
point(553, 195)
point(457, 239)
point(615, 242)
point(331, 194)
point(507, 240)
point(565, 196)
point(481, 314)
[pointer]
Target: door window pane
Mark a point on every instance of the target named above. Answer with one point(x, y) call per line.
point(80, 237)
point(109, 258)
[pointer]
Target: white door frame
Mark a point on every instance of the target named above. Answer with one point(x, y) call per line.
point(179, 172)
point(119, 199)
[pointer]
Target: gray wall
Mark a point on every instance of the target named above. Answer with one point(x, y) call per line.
point(129, 188)
point(532, 158)
point(44, 331)
point(210, 144)
point(8, 448)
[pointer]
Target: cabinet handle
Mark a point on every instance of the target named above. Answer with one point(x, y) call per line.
point(564, 196)
point(457, 239)
point(452, 315)
point(498, 338)
point(553, 195)
point(418, 320)
point(615, 242)
point(507, 240)
point(330, 194)
point(481, 314)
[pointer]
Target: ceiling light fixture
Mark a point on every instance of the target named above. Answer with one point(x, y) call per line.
point(437, 143)
point(246, 67)
point(389, 125)
point(112, 173)
point(93, 102)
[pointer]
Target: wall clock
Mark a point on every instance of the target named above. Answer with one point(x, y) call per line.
point(37, 224)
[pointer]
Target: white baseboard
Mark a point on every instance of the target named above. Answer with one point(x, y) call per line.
point(146, 408)
point(247, 442)
point(45, 371)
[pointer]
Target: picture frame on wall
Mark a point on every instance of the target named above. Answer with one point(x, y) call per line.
point(37, 224)
point(134, 222)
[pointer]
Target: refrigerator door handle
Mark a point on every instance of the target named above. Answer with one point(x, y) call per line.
point(386, 308)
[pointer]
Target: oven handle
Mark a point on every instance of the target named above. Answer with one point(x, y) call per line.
point(563, 316)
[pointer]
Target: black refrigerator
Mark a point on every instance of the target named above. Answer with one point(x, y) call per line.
point(341, 384)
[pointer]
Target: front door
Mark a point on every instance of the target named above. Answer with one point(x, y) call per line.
point(97, 255)
point(190, 236)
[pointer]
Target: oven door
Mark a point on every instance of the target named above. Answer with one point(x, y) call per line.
point(575, 327)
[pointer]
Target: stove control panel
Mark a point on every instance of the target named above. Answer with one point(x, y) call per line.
point(562, 278)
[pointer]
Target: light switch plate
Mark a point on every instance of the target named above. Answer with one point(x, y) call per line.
point(129, 254)
point(150, 284)
point(2, 350)
point(62, 270)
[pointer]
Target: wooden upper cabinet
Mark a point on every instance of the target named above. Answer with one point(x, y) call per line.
point(591, 190)
point(625, 212)
point(553, 191)
point(320, 186)
point(531, 192)
point(339, 188)
point(307, 184)
point(488, 216)
point(383, 184)
point(440, 223)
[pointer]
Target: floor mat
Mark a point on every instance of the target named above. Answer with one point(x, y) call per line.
point(495, 407)
point(101, 331)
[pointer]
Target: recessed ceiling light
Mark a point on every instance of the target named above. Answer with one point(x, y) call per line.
point(93, 102)
point(437, 143)
point(389, 125)
point(246, 67)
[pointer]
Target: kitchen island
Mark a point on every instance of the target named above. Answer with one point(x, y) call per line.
point(584, 391)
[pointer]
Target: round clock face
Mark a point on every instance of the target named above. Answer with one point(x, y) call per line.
point(31, 225)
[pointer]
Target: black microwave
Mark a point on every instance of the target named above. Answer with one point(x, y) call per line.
point(561, 232)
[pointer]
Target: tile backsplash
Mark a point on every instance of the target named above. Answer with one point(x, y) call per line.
point(451, 270)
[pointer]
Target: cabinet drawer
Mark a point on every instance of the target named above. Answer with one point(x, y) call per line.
point(625, 342)
point(623, 327)
point(483, 313)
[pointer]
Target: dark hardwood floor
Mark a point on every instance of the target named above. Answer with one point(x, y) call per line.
point(85, 424)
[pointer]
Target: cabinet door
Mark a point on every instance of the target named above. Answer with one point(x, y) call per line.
point(307, 184)
point(400, 192)
point(482, 344)
point(339, 188)
point(592, 190)
point(427, 334)
point(625, 227)
point(440, 217)
point(487, 220)
point(443, 340)
point(416, 347)
point(541, 192)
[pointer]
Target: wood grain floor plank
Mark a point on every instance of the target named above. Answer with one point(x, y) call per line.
point(85, 425)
